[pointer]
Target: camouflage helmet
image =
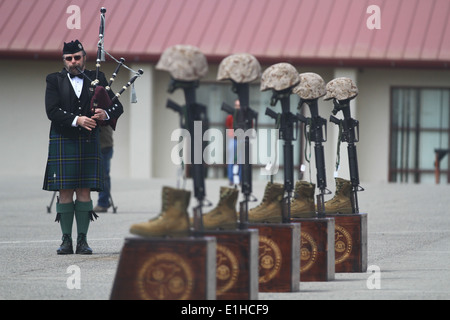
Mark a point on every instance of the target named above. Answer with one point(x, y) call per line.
point(311, 86)
point(279, 76)
point(341, 89)
point(240, 68)
point(183, 62)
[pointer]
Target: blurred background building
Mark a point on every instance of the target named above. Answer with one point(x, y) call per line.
point(399, 57)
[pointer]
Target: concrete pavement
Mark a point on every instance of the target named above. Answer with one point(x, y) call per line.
point(408, 242)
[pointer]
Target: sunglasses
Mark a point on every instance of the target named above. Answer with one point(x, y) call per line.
point(77, 58)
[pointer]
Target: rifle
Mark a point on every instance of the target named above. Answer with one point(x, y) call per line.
point(317, 133)
point(287, 123)
point(349, 132)
point(243, 119)
point(181, 110)
point(189, 114)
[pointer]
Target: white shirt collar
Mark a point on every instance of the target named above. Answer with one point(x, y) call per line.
point(77, 84)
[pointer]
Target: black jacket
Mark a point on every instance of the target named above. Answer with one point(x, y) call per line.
point(62, 105)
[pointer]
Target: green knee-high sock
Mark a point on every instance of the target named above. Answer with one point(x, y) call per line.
point(84, 214)
point(65, 213)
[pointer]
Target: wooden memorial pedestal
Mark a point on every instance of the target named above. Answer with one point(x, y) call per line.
point(279, 256)
point(350, 242)
point(317, 249)
point(166, 269)
point(237, 264)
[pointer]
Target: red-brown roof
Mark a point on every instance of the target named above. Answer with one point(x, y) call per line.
point(331, 32)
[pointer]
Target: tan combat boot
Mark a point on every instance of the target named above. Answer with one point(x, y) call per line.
point(341, 202)
point(302, 206)
point(270, 209)
point(224, 215)
point(173, 220)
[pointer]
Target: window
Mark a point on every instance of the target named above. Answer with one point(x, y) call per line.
point(419, 126)
point(213, 94)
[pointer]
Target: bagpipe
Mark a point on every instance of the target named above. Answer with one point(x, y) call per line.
point(99, 95)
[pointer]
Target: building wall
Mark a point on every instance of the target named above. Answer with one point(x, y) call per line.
point(165, 122)
point(163, 167)
point(24, 126)
point(374, 113)
point(143, 137)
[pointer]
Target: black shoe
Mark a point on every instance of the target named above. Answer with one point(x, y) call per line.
point(82, 245)
point(66, 245)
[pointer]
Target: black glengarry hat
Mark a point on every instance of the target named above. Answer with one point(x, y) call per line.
point(73, 47)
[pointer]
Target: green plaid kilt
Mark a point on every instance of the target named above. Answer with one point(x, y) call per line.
point(74, 163)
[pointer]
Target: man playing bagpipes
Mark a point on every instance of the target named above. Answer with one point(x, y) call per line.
point(76, 107)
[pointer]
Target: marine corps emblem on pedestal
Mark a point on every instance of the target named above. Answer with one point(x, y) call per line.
point(343, 244)
point(308, 251)
point(227, 269)
point(269, 259)
point(165, 276)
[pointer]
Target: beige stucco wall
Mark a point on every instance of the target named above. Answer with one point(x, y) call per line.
point(143, 137)
point(24, 126)
point(166, 121)
point(374, 113)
